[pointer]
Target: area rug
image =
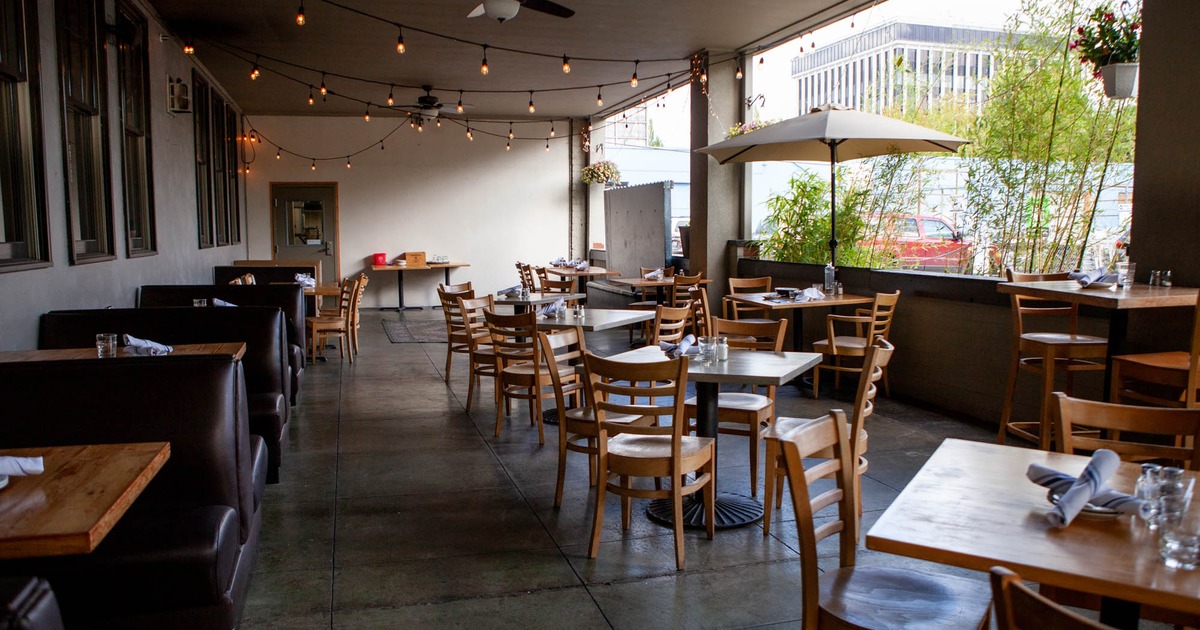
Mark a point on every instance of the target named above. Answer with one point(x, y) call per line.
point(424, 331)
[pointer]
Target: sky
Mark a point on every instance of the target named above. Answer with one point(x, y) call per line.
point(772, 78)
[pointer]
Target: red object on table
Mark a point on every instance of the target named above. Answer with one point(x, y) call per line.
point(380, 258)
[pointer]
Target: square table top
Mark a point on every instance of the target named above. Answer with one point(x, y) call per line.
point(971, 506)
point(537, 299)
point(233, 349)
point(591, 272)
point(751, 367)
point(1136, 296)
point(71, 507)
point(643, 283)
point(773, 300)
point(432, 265)
point(597, 319)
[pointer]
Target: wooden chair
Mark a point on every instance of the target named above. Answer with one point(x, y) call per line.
point(1018, 607)
point(701, 319)
point(869, 324)
point(322, 327)
point(877, 357)
point(519, 364)
point(731, 309)
point(525, 271)
point(1165, 379)
point(1181, 426)
point(861, 596)
point(566, 285)
point(481, 354)
point(746, 413)
point(577, 427)
point(1044, 354)
point(363, 280)
point(679, 291)
point(670, 324)
point(625, 450)
point(457, 338)
point(456, 288)
point(646, 301)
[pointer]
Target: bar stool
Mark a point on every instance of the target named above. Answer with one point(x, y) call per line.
point(1044, 354)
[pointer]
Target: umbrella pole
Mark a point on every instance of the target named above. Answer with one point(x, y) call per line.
point(833, 243)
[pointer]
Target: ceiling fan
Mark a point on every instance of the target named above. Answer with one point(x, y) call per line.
point(501, 10)
point(428, 105)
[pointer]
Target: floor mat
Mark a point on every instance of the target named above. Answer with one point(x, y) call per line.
point(430, 331)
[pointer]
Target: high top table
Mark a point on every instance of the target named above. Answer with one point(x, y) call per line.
point(751, 367)
point(401, 269)
point(583, 274)
point(774, 302)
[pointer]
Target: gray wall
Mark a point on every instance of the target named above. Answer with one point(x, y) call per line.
point(635, 226)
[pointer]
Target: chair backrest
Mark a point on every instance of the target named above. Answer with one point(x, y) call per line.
point(735, 310)
point(450, 306)
point(1026, 306)
point(616, 387)
point(670, 323)
point(875, 358)
point(679, 290)
point(751, 335)
point(472, 311)
point(826, 432)
point(565, 285)
point(455, 288)
point(540, 272)
point(349, 291)
point(514, 337)
point(560, 348)
point(525, 271)
point(359, 290)
point(882, 312)
point(1018, 607)
point(701, 318)
point(1181, 424)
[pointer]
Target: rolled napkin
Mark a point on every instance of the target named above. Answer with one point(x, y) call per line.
point(220, 302)
point(686, 346)
point(582, 266)
point(145, 346)
point(1059, 482)
point(550, 309)
point(513, 290)
point(1085, 278)
point(21, 466)
point(306, 281)
point(1102, 465)
point(657, 274)
point(558, 262)
point(811, 294)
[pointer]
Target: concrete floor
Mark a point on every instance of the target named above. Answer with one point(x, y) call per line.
point(398, 508)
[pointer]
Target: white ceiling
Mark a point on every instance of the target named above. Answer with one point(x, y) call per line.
point(229, 34)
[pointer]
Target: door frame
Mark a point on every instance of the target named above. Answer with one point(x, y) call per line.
point(337, 221)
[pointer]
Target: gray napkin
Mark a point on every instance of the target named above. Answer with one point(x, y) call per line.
point(145, 346)
point(1085, 278)
point(1059, 483)
point(686, 346)
point(21, 466)
point(220, 302)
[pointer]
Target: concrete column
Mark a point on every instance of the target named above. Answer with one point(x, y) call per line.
point(578, 241)
point(715, 189)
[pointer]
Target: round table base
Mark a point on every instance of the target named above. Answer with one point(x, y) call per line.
point(732, 510)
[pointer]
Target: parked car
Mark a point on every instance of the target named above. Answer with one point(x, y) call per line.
point(924, 242)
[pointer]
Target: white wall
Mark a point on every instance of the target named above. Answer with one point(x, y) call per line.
point(434, 191)
point(28, 294)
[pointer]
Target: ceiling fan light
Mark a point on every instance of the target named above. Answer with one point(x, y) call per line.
point(501, 10)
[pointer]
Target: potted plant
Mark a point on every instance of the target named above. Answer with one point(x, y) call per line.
point(602, 172)
point(1110, 42)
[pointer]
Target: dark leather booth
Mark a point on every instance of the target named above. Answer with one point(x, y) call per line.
point(182, 556)
point(287, 297)
point(261, 328)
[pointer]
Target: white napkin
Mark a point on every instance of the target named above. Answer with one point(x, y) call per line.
point(21, 466)
point(220, 302)
point(550, 309)
point(145, 346)
point(558, 262)
point(509, 291)
point(1102, 465)
point(811, 293)
point(306, 281)
point(1095, 275)
point(581, 266)
point(1059, 483)
point(657, 274)
point(686, 346)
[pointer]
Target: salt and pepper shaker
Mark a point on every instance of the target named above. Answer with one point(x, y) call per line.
point(722, 348)
point(837, 288)
point(1147, 489)
point(1155, 277)
point(1165, 278)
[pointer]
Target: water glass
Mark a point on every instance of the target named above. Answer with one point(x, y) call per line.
point(1179, 535)
point(106, 345)
point(1125, 273)
point(708, 349)
point(199, 302)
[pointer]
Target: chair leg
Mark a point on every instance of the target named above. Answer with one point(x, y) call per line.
point(837, 374)
point(1044, 437)
point(1114, 384)
point(472, 379)
point(677, 517)
point(816, 375)
point(1010, 391)
point(626, 504)
point(598, 513)
point(345, 347)
point(562, 465)
point(753, 439)
point(769, 483)
point(710, 497)
point(536, 403)
point(449, 356)
point(887, 387)
point(500, 405)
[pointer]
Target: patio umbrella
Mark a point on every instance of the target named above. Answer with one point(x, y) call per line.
point(836, 134)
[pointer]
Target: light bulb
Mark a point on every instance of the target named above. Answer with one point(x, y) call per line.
point(314, 165)
point(278, 155)
point(460, 105)
point(510, 131)
point(300, 15)
point(347, 162)
point(762, 59)
point(566, 65)
point(420, 126)
point(483, 67)
point(311, 100)
point(704, 77)
point(599, 98)
point(738, 75)
point(437, 122)
point(400, 42)
point(508, 146)
point(324, 90)
point(367, 113)
point(470, 136)
point(188, 49)
point(633, 79)
point(531, 107)
point(547, 145)
point(391, 99)
point(551, 130)
point(247, 168)
point(254, 72)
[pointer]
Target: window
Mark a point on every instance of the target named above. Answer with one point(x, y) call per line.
point(24, 241)
point(218, 198)
point(937, 229)
point(135, 118)
point(86, 145)
point(908, 228)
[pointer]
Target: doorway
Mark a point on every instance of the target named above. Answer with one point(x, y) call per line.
point(304, 226)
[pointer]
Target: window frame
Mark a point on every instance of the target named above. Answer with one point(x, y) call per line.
point(137, 179)
point(218, 188)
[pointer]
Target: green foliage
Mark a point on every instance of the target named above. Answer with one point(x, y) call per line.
point(799, 223)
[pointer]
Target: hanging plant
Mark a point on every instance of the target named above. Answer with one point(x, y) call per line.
point(744, 128)
point(1109, 37)
point(602, 172)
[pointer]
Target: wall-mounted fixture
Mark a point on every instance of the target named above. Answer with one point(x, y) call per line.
point(179, 100)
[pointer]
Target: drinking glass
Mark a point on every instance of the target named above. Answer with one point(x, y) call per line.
point(1179, 533)
point(200, 302)
point(1125, 273)
point(708, 349)
point(106, 345)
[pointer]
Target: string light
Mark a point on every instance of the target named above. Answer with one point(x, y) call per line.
point(311, 100)
point(738, 75)
point(510, 131)
point(483, 67)
point(391, 99)
point(255, 72)
point(508, 146)
point(300, 14)
point(324, 90)
point(278, 154)
point(400, 41)
point(314, 165)
point(547, 144)
point(460, 105)
point(633, 79)
point(470, 136)
point(551, 129)
point(189, 49)
point(247, 167)
point(347, 162)
point(599, 98)
point(367, 113)
point(532, 109)
point(566, 65)
point(762, 59)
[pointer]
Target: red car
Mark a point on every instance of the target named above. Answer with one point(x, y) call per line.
point(923, 242)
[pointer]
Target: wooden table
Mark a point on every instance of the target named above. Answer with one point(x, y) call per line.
point(1119, 302)
point(773, 302)
point(323, 289)
point(971, 506)
point(744, 367)
point(71, 507)
point(234, 349)
point(400, 269)
point(596, 319)
point(657, 285)
point(582, 274)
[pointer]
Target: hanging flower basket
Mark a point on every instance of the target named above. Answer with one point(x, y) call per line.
point(602, 172)
point(1120, 79)
point(1110, 42)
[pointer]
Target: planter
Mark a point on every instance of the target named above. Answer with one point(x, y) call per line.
point(1120, 79)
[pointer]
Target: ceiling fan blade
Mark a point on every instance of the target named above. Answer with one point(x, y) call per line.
point(477, 12)
point(546, 6)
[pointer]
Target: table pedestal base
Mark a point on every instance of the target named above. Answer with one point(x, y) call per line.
point(732, 510)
